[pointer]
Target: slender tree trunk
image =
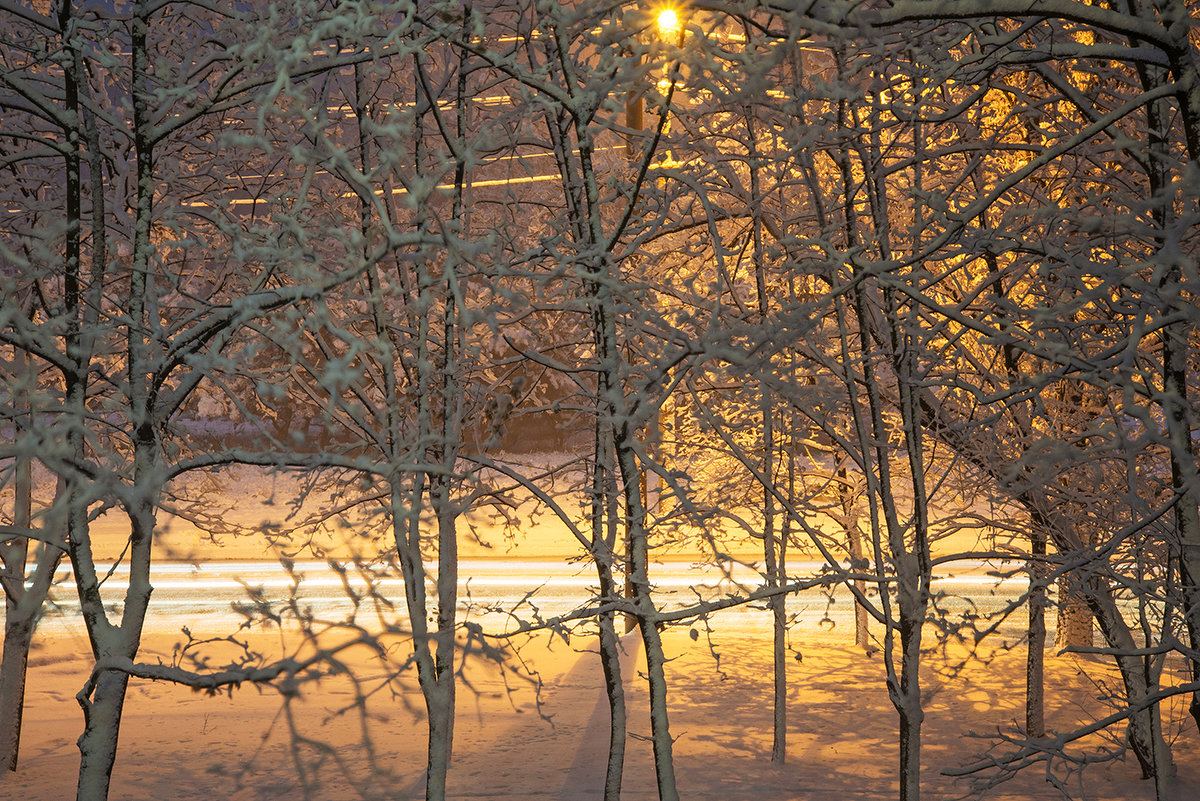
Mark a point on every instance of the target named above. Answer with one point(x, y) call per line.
point(103, 701)
point(1035, 656)
point(447, 579)
point(18, 637)
point(407, 514)
point(18, 619)
point(660, 733)
point(18, 634)
point(908, 705)
point(407, 533)
point(605, 525)
point(879, 326)
point(779, 672)
point(1185, 477)
point(913, 572)
point(435, 651)
point(647, 613)
point(614, 687)
point(1145, 725)
point(1190, 583)
point(634, 120)
point(441, 711)
point(660, 728)
point(103, 705)
point(1176, 297)
point(771, 549)
point(858, 563)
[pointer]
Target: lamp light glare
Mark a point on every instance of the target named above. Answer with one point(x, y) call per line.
point(668, 21)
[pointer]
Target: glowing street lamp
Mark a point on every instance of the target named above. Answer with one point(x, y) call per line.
point(668, 22)
point(669, 28)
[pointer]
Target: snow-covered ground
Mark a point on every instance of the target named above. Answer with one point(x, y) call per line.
point(511, 744)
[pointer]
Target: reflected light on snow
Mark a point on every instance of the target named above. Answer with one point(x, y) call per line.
point(206, 595)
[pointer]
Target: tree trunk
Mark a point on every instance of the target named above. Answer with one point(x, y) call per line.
point(439, 707)
point(1035, 656)
point(614, 687)
point(1177, 355)
point(102, 727)
point(447, 516)
point(1075, 627)
point(660, 729)
point(18, 634)
point(858, 563)
point(1185, 479)
point(779, 654)
point(777, 605)
point(20, 624)
point(104, 698)
point(660, 733)
point(1190, 581)
point(18, 619)
point(908, 705)
point(441, 714)
point(604, 521)
point(1145, 725)
point(772, 549)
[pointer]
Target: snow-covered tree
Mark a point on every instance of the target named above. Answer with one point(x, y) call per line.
point(120, 115)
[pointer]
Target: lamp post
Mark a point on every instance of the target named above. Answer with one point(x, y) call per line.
point(666, 25)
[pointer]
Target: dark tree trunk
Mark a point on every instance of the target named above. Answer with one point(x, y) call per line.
point(614, 688)
point(18, 634)
point(1035, 657)
point(908, 705)
point(19, 617)
point(858, 563)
